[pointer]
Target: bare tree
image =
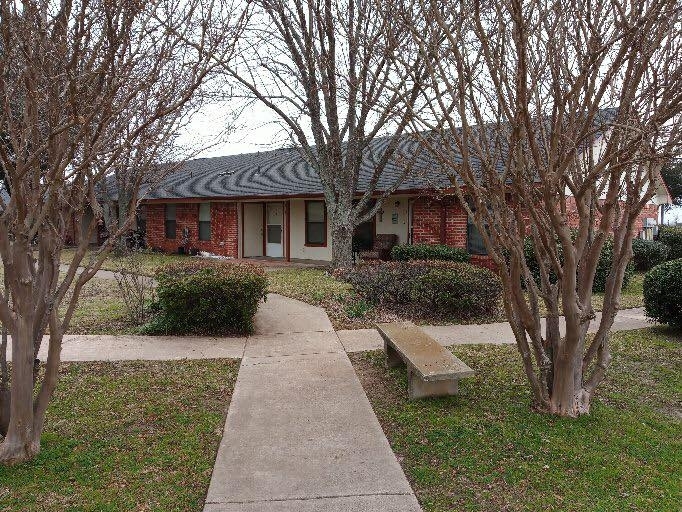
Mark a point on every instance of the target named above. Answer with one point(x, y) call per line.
point(329, 72)
point(86, 88)
point(552, 120)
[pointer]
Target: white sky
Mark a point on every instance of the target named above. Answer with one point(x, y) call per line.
point(257, 129)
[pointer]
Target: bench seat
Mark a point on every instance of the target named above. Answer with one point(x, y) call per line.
point(432, 369)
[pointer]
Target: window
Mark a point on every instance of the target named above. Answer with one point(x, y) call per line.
point(204, 221)
point(170, 221)
point(475, 243)
point(315, 223)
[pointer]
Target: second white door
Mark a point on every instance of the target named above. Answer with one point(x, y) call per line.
point(274, 215)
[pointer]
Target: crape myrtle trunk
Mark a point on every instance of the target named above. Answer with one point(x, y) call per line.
point(342, 230)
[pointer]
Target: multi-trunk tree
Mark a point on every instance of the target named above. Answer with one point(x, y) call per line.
point(553, 120)
point(87, 88)
point(329, 70)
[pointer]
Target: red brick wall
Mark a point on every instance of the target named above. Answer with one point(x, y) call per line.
point(427, 224)
point(429, 215)
point(426, 221)
point(649, 211)
point(224, 228)
point(455, 225)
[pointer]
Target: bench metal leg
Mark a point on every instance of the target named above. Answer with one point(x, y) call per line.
point(393, 359)
point(418, 388)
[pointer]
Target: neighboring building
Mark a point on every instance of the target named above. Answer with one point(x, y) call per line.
point(271, 204)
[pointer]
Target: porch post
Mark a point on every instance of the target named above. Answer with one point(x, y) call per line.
point(287, 227)
point(240, 237)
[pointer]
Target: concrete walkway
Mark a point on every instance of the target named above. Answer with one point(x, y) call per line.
point(499, 333)
point(300, 433)
point(277, 315)
point(281, 315)
point(151, 348)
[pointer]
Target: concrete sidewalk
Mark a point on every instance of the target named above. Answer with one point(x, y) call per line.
point(277, 315)
point(301, 435)
point(150, 348)
point(498, 333)
point(282, 315)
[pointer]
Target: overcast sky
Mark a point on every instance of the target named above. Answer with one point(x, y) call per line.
point(214, 133)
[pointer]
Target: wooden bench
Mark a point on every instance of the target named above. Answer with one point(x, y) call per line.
point(432, 370)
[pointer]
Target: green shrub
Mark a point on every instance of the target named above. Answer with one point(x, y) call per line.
point(460, 289)
point(672, 237)
point(207, 297)
point(405, 252)
point(662, 297)
point(435, 288)
point(646, 254)
point(603, 266)
point(389, 281)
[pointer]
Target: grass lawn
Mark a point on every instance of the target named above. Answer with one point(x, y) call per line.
point(486, 450)
point(100, 310)
point(632, 295)
point(149, 261)
point(126, 436)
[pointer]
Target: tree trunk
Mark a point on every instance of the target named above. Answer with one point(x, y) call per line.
point(4, 384)
point(21, 442)
point(342, 242)
point(563, 398)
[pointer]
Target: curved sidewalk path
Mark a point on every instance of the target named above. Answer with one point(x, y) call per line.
point(498, 333)
point(300, 433)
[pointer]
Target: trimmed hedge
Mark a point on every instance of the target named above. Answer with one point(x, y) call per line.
point(207, 297)
point(389, 281)
point(431, 287)
point(603, 266)
point(646, 254)
point(406, 252)
point(662, 297)
point(460, 289)
point(672, 237)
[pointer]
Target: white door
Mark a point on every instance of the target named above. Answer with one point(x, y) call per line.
point(274, 214)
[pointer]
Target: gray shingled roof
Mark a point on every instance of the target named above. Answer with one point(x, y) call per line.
point(284, 172)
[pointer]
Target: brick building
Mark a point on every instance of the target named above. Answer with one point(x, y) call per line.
point(271, 204)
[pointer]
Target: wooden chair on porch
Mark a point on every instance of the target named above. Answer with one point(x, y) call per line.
point(381, 248)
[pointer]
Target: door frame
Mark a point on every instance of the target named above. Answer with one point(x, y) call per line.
point(281, 225)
